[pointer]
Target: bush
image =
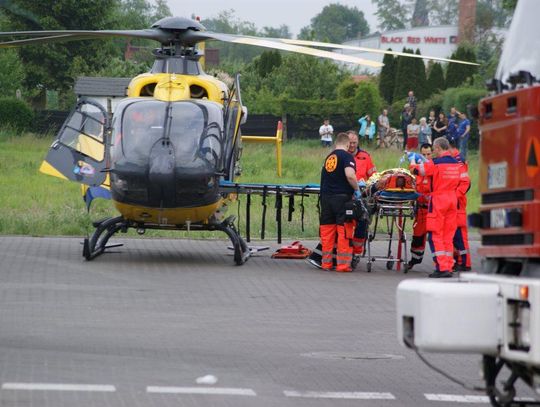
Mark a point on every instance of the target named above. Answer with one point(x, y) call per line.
point(368, 100)
point(321, 108)
point(461, 97)
point(15, 113)
point(394, 112)
point(347, 88)
point(435, 102)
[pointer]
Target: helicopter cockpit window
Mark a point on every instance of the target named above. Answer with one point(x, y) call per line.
point(196, 133)
point(142, 125)
point(194, 130)
point(84, 131)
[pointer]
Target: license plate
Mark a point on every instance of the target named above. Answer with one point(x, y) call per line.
point(497, 218)
point(497, 175)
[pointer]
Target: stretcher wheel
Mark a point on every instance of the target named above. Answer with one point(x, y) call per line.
point(368, 267)
point(390, 264)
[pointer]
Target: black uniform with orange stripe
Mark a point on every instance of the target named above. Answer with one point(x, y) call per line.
point(335, 188)
point(335, 192)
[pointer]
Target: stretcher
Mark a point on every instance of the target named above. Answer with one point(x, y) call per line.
point(391, 200)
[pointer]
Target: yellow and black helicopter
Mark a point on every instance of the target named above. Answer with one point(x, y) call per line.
point(169, 154)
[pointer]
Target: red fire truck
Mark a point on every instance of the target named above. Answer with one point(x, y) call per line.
point(495, 312)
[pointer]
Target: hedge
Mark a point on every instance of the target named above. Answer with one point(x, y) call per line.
point(15, 113)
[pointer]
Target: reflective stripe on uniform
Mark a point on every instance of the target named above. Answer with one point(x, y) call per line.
point(344, 255)
point(421, 169)
point(464, 174)
point(461, 252)
point(417, 256)
point(357, 243)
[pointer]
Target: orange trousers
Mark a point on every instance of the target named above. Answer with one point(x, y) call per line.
point(441, 223)
point(344, 250)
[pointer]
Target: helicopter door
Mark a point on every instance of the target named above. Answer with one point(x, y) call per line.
point(78, 152)
point(233, 114)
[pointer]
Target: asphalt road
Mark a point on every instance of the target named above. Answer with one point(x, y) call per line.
point(139, 327)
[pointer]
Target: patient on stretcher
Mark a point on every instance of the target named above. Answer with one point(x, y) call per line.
point(392, 184)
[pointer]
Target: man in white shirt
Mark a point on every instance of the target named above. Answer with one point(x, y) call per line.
point(326, 131)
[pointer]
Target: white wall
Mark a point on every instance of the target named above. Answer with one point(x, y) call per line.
point(438, 41)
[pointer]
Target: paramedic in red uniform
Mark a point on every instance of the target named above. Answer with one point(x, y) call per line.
point(364, 169)
point(338, 184)
point(423, 187)
point(448, 179)
point(462, 254)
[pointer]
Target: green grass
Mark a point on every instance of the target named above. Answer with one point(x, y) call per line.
point(36, 204)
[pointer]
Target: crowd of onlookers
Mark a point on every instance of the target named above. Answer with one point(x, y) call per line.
point(455, 126)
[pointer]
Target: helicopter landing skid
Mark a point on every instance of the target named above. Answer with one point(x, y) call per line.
point(241, 249)
point(105, 228)
point(96, 244)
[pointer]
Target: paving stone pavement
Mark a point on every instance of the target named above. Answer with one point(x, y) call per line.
point(137, 327)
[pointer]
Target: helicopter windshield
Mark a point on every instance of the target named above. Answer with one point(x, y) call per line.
point(193, 128)
point(167, 154)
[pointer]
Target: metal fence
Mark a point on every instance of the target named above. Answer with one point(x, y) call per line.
point(301, 127)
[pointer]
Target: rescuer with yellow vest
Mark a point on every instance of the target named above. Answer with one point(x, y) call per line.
point(338, 186)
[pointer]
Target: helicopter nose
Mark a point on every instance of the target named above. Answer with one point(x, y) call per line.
point(162, 164)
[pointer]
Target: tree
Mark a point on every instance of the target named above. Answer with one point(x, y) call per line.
point(267, 62)
point(405, 75)
point(387, 78)
point(347, 88)
point(456, 74)
point(443, 12)
point(391, 14)
point(420, 86)
point(368, 100)
point(338, 23)
point(227, 22)
point(435, 79)
point(12, 72)
point(161, 9)
point(48, 66)
point(492, 13)
point(305, 77)
point(420, 14)
point(134, 15)
point(280, 32)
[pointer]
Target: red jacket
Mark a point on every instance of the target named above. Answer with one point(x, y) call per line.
point(447, 174)
point(462, 198)
point(423, 187)
point(364, 165)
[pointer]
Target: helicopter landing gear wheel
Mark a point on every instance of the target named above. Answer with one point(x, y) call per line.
point(97, 243)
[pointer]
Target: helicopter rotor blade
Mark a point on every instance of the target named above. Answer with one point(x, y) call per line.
point(72, 35)
point(272, 43)
point(372, 50)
